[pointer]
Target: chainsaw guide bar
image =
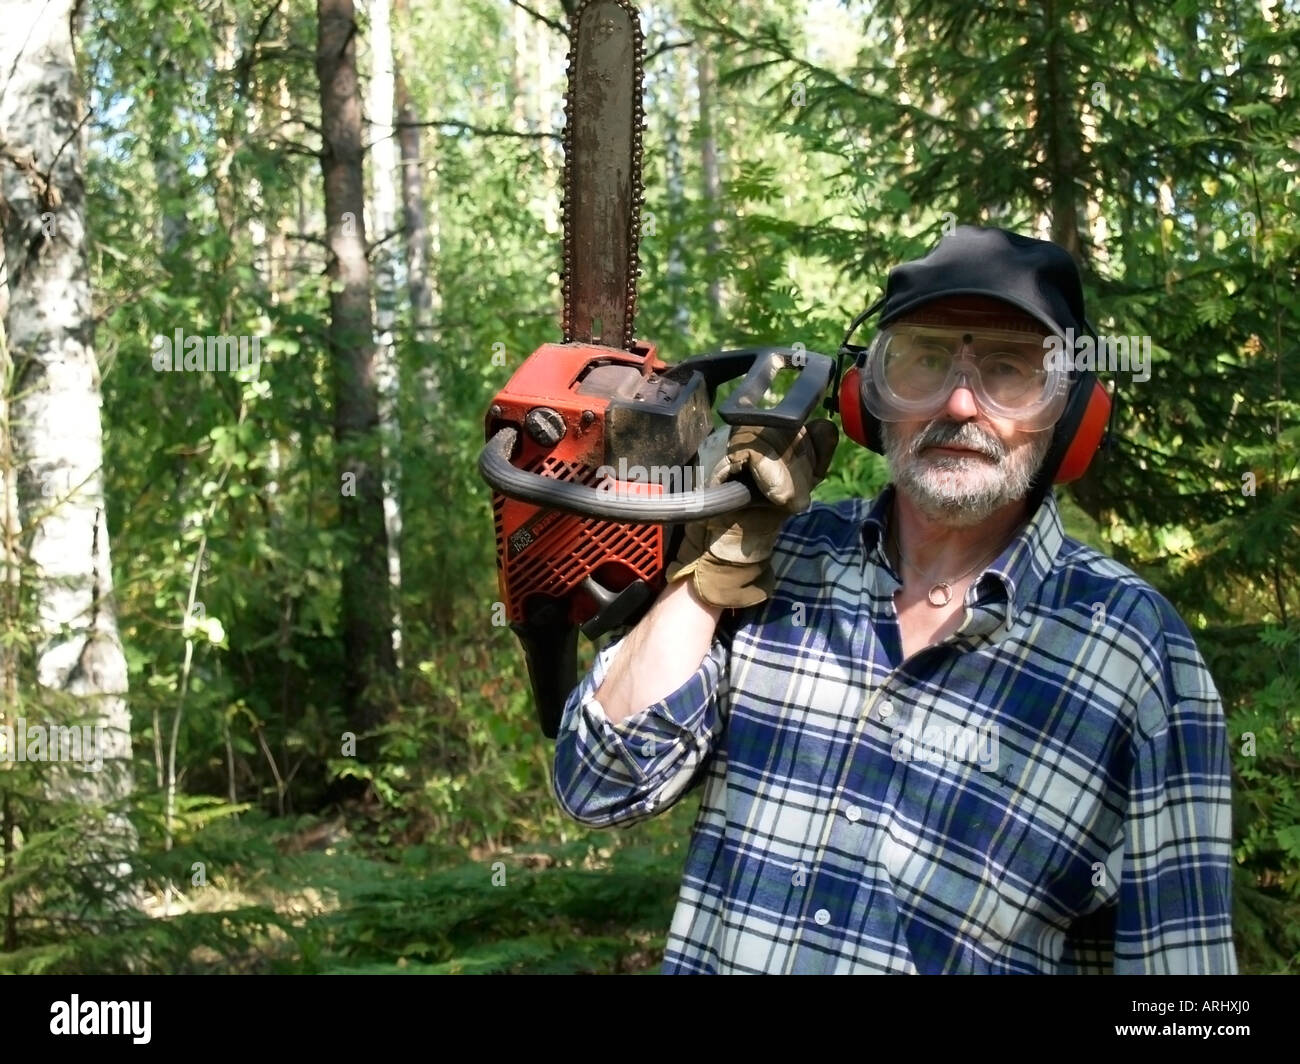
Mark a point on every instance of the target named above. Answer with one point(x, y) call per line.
point(603, 190)
point(598, 451)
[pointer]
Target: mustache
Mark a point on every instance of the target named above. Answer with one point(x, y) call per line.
point(959, 434)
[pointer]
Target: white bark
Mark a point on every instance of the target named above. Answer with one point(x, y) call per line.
point(667, 228)
point(711, 184)
point(383, 205)
point(420, 226)
point(54, 413)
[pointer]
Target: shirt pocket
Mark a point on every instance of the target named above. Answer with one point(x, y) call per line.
point(1042, 857)
point(986, 857)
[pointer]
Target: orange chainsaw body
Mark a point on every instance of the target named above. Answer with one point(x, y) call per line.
point(545, 552)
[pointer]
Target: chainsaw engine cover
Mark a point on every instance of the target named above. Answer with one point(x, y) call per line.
point(606, 418)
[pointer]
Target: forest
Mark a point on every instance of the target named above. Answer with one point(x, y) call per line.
point(266, 263)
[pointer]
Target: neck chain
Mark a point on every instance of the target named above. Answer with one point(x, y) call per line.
point(940, 594)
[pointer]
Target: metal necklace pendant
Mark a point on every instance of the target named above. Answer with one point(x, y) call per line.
point(940, 594)
point(942, 588)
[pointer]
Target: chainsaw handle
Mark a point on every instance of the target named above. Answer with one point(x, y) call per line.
point(669, 508)
point(760, 365)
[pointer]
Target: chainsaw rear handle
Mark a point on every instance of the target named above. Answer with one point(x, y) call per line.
point(760, 366)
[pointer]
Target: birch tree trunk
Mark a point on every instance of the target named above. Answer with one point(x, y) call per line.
point(518, 80)
point(10, 605)
point(53, 421)
point(366, 611)
point(711, 183)
point(383, 176)
point(669, 228)
point(418, 233)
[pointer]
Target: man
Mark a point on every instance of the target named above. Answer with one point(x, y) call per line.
point(934, 733)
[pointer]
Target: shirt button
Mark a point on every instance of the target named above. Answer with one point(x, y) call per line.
point(822, 917)
point(886, 708)
point(853, 813)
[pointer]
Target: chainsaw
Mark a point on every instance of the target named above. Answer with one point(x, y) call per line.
point(595, 446)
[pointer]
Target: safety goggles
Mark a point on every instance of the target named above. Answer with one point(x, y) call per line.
point(912, 369)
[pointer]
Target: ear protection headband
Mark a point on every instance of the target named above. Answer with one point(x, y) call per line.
point(1075, 438)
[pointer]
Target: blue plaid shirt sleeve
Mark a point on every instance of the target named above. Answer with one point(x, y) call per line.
point(618, 774)
point(1174, 908)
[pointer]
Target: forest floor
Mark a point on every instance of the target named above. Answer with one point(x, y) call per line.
point(327, 900)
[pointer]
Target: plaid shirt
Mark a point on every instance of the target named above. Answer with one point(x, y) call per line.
point(1044, 791)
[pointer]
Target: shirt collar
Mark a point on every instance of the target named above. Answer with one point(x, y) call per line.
point(1020, 568)
point(876, 522)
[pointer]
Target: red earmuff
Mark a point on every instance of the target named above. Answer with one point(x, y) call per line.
point(1086, 433)
point(850, 403)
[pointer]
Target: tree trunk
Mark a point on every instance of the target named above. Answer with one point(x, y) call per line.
point(709, 173)
point(1058, 103)
point(417, 233)
point(383, 176)
point(168, 176)
point(10, 604)
point(518, 80)
point(53, 422)
point(367, 638)
point(669, 228)
point(1060, 110)
point(546, 101)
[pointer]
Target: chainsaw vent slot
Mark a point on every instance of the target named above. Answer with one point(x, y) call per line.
point(546, 552)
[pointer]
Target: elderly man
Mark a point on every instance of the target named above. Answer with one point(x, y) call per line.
point(934, 733)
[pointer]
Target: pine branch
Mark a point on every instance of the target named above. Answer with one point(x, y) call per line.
point(667, 46)
point(293, 148)
point(244, 66)
point(481, 131)
point(558, 27)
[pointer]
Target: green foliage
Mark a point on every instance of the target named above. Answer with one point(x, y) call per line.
point(1264, 733)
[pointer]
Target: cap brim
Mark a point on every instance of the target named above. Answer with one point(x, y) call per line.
point(1001, 297)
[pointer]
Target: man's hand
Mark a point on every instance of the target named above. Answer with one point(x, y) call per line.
point(728, 558)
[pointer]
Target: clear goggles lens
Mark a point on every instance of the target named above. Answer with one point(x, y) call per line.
point(913, 369)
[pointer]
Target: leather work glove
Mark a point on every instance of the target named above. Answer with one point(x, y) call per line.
point(729, 557)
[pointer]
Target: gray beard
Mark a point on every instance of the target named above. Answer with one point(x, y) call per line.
point(937, 486)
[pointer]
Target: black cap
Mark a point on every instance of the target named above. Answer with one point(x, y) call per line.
point(1037, 276)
